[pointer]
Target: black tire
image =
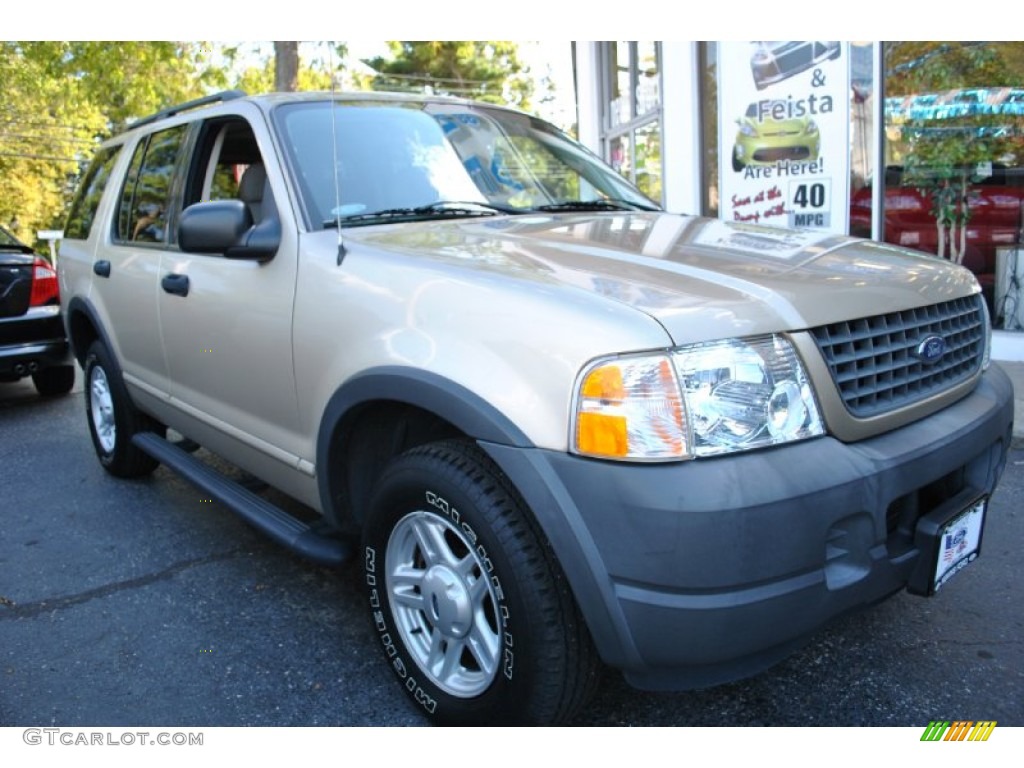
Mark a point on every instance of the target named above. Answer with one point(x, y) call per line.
point(737, 164)
point(51, 382)
point(113, 418)
point(507, 606)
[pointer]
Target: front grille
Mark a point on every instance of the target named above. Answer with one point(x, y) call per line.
point(872, 360)
point(772, 154)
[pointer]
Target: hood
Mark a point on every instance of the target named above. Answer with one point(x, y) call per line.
point(700, 278)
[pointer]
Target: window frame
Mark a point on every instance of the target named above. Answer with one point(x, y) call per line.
point(612, 130)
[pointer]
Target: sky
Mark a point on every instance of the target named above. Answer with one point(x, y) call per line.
point(521, 20)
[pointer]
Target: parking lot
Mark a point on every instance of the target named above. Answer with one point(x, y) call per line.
point(139, 603)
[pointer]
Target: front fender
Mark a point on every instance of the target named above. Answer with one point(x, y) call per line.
point(466, 412)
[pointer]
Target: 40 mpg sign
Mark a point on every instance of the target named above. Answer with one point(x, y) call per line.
point(784, 122)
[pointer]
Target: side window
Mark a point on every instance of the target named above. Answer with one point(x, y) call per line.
point(228, 165)
point(227, 148)
point(83, 209)
point(146, 197)
point(125, 216)
point(224, 184)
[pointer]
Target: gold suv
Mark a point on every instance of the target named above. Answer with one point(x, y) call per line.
point(558, 428)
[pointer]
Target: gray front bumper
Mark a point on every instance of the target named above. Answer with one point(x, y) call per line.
point(696, 573)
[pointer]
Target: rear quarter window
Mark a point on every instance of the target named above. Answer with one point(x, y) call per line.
point(90, 191)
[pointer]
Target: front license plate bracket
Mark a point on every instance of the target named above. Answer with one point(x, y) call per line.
point(948, 539)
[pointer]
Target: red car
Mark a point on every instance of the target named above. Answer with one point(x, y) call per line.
point(995, 205)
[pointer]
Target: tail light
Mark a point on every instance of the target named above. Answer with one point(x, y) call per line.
point(45, 289)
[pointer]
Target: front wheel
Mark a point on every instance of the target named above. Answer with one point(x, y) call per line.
point(467, 601)
point(113, 417)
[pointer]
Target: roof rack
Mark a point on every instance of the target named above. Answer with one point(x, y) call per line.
point(214, 98)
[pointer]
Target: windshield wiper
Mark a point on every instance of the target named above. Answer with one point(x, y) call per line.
point(604, 204)
point(440, 209)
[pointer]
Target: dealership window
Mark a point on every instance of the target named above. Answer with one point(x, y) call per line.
point(631, 112)
point(954, 155)
point(952, 149)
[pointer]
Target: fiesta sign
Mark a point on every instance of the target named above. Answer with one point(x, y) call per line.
point(784, 133)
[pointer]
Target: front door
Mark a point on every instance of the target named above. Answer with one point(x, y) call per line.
point(226, 324)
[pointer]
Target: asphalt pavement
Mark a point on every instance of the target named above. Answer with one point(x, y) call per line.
point(138, 603)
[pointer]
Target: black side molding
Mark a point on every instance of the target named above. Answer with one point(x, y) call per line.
point(255, 510)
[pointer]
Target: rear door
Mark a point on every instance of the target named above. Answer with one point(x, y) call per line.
point(126, 275)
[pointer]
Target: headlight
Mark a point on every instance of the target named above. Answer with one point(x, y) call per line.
point(700, 400)
point(630, 408)
point(743, 394)
point(986, 356)
point(747, 129)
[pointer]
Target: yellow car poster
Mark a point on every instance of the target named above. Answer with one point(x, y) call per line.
point(784, 122)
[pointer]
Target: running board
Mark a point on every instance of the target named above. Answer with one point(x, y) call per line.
point(255, 510)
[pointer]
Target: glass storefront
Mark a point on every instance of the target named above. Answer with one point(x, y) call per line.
point(952, 143)
point(950, 154)
point(954, 160)
point(631, 125)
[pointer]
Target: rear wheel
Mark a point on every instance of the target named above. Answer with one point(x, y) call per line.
point(51, 382)
point(470, 607)
point(113, 418)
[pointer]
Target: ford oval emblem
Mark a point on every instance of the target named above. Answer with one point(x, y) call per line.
point(930, 349)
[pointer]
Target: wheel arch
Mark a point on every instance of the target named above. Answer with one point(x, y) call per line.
point(384, 412)
point(84, 327)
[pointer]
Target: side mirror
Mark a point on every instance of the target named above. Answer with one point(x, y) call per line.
point(226, 227)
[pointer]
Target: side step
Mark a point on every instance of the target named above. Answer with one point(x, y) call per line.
point(255, 510)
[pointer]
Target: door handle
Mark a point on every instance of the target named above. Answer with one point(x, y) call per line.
point(101, 268)
point(176, 284)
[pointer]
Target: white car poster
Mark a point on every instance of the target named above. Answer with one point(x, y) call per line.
point(784, 122)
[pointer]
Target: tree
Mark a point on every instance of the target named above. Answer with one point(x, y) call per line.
point(286, 66)
point(486, 70)
point(62, 98)
point(318, 67)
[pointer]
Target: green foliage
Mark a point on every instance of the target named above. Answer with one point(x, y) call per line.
point(321, 67)
point(928, 66)
point(486, 70)
point(62, 98)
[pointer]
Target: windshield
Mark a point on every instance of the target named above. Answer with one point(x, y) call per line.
point(422, 158)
